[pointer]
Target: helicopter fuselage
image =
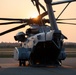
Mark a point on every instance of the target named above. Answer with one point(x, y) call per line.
point(40, 37)
point(40, 48)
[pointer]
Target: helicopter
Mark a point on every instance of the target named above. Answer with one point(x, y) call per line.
point(40, 44)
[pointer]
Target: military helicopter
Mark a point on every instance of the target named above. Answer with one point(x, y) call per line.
point(40, 44)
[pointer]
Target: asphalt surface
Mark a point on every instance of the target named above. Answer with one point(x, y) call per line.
point(8, 66)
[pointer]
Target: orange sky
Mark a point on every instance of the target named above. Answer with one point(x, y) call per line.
point(25, 9)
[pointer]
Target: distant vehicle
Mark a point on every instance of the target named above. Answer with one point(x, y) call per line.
point(40, 44)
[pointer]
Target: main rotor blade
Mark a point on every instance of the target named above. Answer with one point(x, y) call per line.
point(13, 19)
point(32, 20)
point(13, 29)
point(61, 2)
point(43, 14)
point(9, 23)
point(22, 20)
point(10, 19)
point(16, 19)
point(67, 19)
point(66, 23)
point(63, 36)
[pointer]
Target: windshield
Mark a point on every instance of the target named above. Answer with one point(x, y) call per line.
point(34, 29)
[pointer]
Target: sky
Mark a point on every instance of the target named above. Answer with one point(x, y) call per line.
point(25, 9)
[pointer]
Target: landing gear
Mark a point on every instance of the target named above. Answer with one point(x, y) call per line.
point(60, 62)
point(21, 62)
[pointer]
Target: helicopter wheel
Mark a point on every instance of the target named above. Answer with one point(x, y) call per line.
point(21, 62)
point(32, 62)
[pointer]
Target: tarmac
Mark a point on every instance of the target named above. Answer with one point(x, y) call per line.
point(9, 66)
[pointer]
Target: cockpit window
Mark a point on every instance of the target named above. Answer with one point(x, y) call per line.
point(37, 29)
point(32, 31)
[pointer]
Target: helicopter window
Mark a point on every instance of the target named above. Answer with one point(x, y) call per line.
point(37, 29)
point(44, 28)
point(39, 37)
point(34, 41)
point(32, 31)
